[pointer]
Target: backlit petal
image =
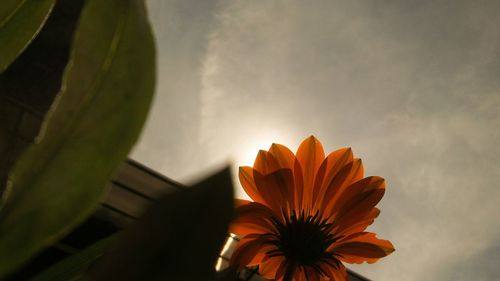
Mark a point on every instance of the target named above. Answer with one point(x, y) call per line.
point(252, 217)
point(262, 256)
point(286, 159)
point(350, 173)
point(310, 155)
point(359, 198)
point(300, 275)
point(362, 247)
point(265, 163)
point(248, 183)
point(335, 186)
point(338, 274)
point(241, 202)
point(270, 267)
point(328, 170)
point(311, 274)
point(276, 189)
point(355, 224)
point(281, 271)
point(299, 185)
point(283, 155)
point(245, 252)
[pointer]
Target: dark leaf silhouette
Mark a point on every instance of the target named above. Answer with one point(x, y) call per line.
point(20, 21)
point(75, 265)
point(90, 129)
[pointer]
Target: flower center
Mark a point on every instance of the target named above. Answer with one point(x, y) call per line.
point(304, 239)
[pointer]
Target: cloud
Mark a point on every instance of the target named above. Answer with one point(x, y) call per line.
point(412, 86)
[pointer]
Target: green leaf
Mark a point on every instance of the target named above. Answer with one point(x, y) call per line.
point(179, 238)
point(75, 265)
point(20, 21)
point(96, 118)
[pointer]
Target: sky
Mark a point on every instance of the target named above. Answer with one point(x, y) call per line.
point(412, 86)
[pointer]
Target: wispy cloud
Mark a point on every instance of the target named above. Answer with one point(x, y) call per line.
point(412, 86)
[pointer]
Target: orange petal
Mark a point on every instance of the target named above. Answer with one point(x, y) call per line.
point(248, 183)
point(242, 229)
point(299, 185)
point(350, 173)
point(359, 198)
point(310, 155)
point(337, 274)
point(327, 270)
point(356, 223)
point(254, 209)
point(252, 218)
point(311, 274)
point(334, 187)
point(318, 180)
point(270, 267)
point(283, 155)
point(362, 247)
point(265, 163)
point(261, 257)
point(290, 273)
point(241, 202)
point(328, 170)
point(357, 171)
point(281, 271)
point(286, 159)
point(245, 252)
point(276, 189)
point(299, 275)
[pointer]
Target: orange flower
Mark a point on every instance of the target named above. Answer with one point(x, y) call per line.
point(309, 214)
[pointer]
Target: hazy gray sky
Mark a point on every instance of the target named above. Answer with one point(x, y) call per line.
point(412, 86)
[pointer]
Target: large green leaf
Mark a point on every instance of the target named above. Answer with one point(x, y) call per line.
point(20, 21)
point(74, 266)
point(178, 239)
point(107, 89)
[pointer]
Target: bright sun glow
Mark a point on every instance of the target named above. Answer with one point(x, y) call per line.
point(251, 146)
point(248, 149)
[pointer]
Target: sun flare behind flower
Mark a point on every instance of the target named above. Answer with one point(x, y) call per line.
point(309, 214)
